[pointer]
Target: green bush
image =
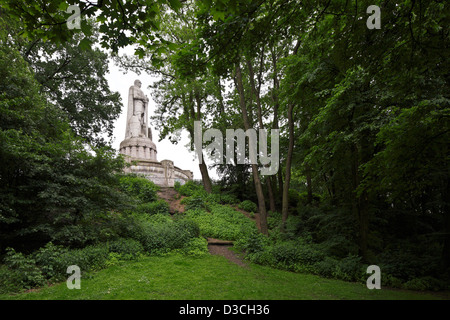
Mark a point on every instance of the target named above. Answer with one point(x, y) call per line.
point(350, 269)
point(222, 222)
point(128, 248)
point(160, 234)
point(424, 283)
point(248, 206)
point(138, 187)
point(347, 269)
point(409, 260)
point(196, 247)
point(10, 280)
point(286, 255)
point(390, 281)
point(264, 257)
point(212, 198)
point(156, 207)
point(90, 258)
point(273, 220)
point(48, 263)
point(48, 259)
point(325, 267)
point(254, 242)
point(25, 273)
point(188, 226)
point(195, 202)
point(158, 219)
point(228, 199)
point(189, 188)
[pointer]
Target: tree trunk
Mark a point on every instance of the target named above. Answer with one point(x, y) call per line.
point(256, 179)
point(280, 183)
point(276, 86)
point(202, 166)
point(287, 178)
point(256, 91)
point(271, 197)
point(205, 176)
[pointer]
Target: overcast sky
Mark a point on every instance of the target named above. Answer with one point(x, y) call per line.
point(179, 154)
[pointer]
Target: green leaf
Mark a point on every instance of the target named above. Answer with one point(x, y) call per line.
point(86, 28)
point(175, 4)
point(85, 44)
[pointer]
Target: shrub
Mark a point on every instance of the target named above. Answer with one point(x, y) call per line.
point(213, 198)
point(10, 280)
point(139, 187)
point(222, 222)
point(350, 269)
point(161, 234)
point(48, 259)
point(156, 207)
point(390, 281)
point(25, 272)
point(228, 199)
point(406, 260)
point(127, 248)
point(248, 206)
point(90, 258)
point(273, 220)
point(195, 202)
point(196, 247)
point(254, 242)
point(423, 283)
point(190, 227)
point(264, 257)
point(286, 254)
point(158, 219)
point(325, 267)
point(189, 188)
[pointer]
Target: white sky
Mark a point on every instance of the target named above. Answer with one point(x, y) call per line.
point(179, 154)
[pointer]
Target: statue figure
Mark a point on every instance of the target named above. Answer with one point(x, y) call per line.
point(168, 172)
point(137, 113)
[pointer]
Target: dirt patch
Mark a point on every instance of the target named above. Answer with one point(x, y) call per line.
point(172, 198)
point(224, 250)
point(219, 242)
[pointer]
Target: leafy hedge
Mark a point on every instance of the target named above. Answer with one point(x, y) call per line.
point(222, 222)
point(248, 206)
point(150, 208)
point(301, 255)
point(138, 187)
point(189, 188)
point(145, 235)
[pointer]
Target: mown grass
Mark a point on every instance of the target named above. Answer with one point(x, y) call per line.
point(179, 277)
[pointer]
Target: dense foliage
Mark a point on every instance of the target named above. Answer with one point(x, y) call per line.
point(363, 116)
point(144, 227)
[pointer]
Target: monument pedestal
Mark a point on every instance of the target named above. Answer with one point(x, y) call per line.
point(163, 174)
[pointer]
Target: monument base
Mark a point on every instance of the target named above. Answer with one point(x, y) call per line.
point(163, 174)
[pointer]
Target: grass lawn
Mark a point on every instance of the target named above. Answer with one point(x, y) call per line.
point(208, 278)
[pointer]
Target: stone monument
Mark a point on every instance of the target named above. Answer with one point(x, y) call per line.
point(138, 147)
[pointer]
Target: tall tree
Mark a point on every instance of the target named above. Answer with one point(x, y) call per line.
point(74, 79)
